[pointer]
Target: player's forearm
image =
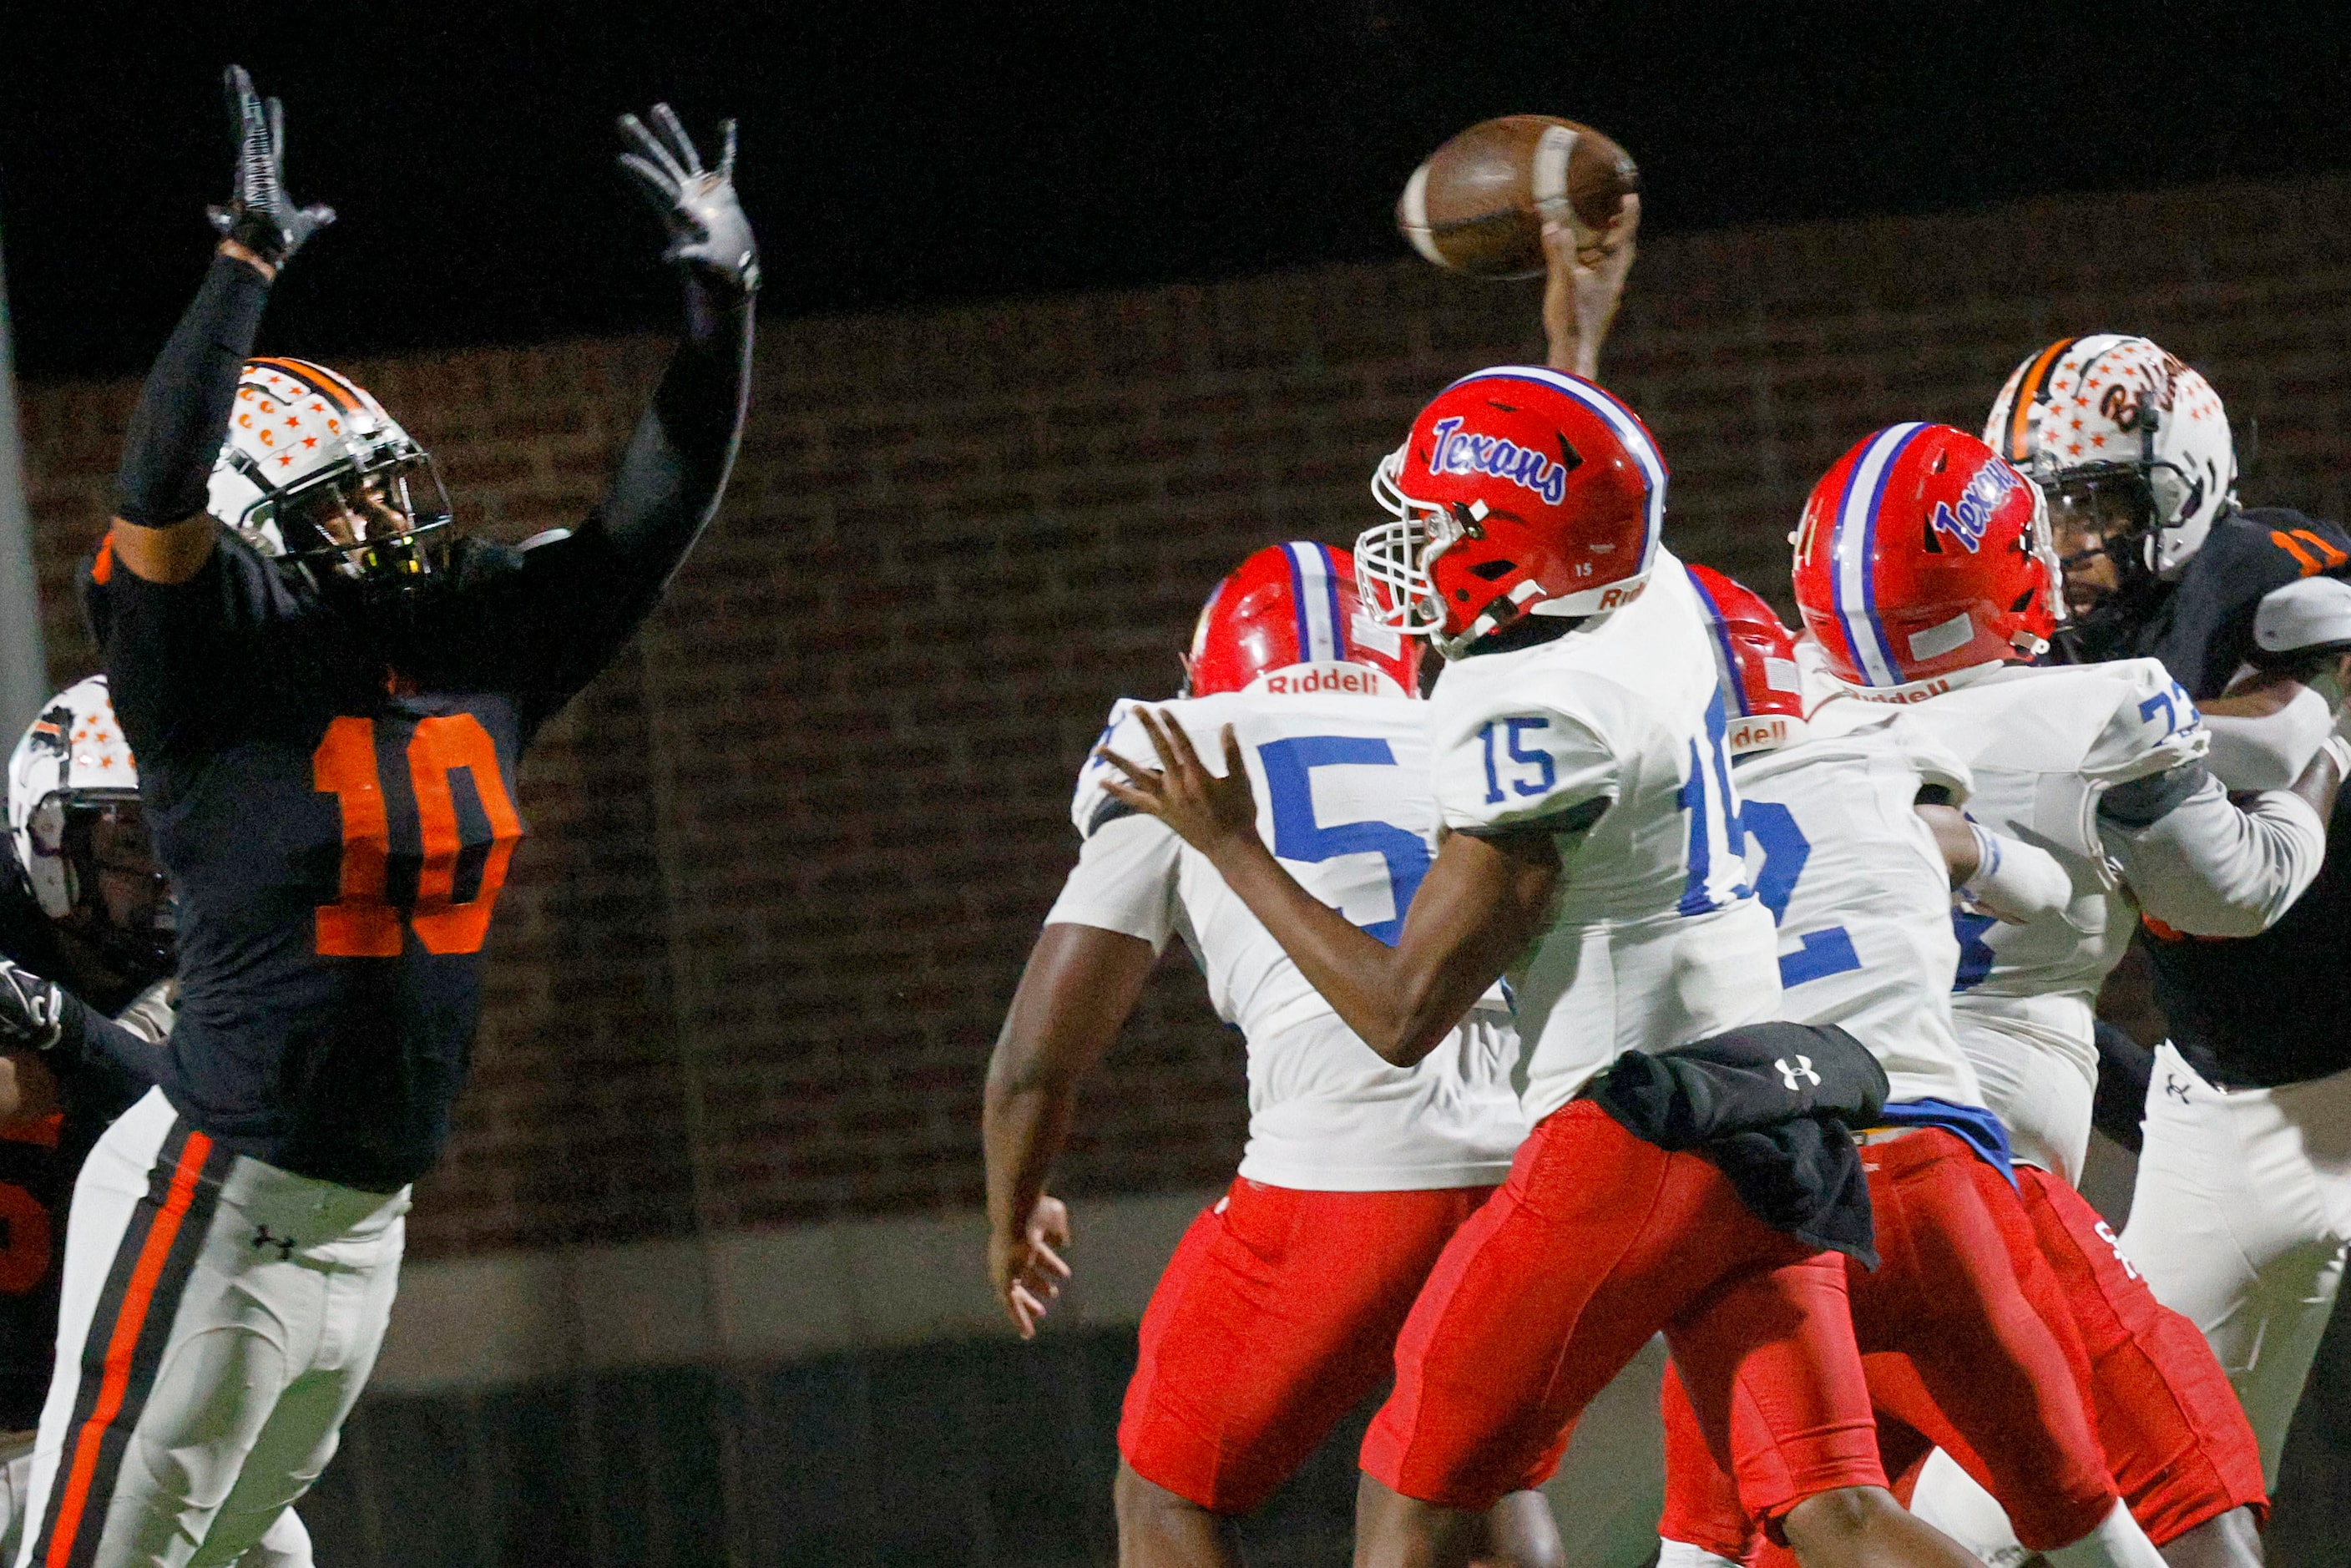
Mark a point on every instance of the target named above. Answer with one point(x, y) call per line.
point(1399, 1007)
point(1075, 994)
point(1022, 1131)
point(674, 469)
point(181, 416)
point(2210, 867)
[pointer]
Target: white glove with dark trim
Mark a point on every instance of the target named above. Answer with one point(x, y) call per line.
point(698, 206)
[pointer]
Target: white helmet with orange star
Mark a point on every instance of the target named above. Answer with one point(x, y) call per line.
point(2107, 412)
point(315, 474)
point(80, 836)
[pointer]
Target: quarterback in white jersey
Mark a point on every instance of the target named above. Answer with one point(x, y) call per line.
point(1857, 844)
point(1279, 1310)
point(1595, 857)
point(1926, 578)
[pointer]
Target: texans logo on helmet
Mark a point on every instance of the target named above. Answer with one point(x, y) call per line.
point(1456, 451)
point(1976, 503)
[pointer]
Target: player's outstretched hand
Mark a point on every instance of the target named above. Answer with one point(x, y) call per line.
point(260, 215)
point(1027, 1270)
point(1212, 812)
point(1581, 288)
point(707, 227)
point(30, 1009)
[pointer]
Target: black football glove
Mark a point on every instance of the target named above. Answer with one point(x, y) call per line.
point(707, 227)
point(260, 215)
point(31, 1008)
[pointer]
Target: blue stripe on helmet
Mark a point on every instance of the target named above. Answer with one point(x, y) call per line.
point(1331, 586)
point(1298, 602)
point(1732, 684)
point(1852, 547)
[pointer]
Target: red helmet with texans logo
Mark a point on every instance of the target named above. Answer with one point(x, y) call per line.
point(1922, 553)
point(1288, 620)
point(1520, 491)
point(1755, 659)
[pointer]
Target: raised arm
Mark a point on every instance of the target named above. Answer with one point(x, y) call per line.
point(1582, 289)
point(595, 583)
point(1483, 900)
point(161, 532)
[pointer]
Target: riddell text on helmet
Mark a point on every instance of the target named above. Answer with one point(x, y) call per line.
point(1456, 451)
point(1301, 679)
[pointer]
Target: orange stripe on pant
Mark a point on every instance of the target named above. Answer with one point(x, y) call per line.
point(128, 1323)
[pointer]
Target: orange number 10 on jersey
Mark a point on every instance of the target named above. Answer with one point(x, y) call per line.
point(360, 924)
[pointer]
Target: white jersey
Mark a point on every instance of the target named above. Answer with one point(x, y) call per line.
point(1838, 853)
point(2045, 746)
point(1343, 800)
point(1611, 736)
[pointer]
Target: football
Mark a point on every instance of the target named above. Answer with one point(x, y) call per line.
point(1479, 204)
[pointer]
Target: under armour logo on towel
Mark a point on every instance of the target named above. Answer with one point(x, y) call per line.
point(1802, 1071)
point(2173, 1087)
point(285, 1244)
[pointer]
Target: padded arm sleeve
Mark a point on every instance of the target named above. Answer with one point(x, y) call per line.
point(182, 410)
point(588, 588)
point(2014, 881)
point(2200, 863)
point(2269, 752)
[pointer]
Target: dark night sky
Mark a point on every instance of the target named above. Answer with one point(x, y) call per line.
point(897, 152)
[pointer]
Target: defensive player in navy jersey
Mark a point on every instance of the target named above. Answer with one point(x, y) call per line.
point(2243, 1203)
point(327, 690)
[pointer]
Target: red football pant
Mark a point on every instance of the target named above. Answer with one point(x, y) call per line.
point(2174, 1437)
point(2176, 1440)
point(1961, 1290)
point(1597, 1241)
point(1277, 1315)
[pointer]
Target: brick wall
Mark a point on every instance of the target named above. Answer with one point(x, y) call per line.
point(788, 852)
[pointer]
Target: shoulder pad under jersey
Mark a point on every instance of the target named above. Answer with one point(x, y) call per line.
point(2152, 727)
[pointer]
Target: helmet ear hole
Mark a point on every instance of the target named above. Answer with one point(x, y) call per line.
point(1494, 570)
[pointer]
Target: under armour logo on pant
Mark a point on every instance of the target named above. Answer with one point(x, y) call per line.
point(2175, 1089)
point(1802, 1071)
point(285, 1244)
point(2106, 1234)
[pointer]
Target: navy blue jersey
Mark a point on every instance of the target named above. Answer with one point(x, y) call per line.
point(2257, 1011)
point(334, 799)
point(37, 1167)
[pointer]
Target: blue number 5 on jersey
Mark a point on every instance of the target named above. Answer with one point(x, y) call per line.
point(1290, 767)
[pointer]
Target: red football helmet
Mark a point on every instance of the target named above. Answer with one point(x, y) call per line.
point(1520, 491)
point(1755, 657)
point(1922, 553)
point(1288, 616)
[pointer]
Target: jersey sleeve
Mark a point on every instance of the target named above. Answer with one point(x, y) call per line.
point(1936, 763)
point(1124, 880)
point(1091, 805)
point(180, 657)
point(2153, 729)
point(1523, 766)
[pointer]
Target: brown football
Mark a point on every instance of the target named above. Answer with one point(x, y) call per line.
point(1479, 204)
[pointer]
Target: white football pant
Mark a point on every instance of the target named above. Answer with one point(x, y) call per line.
point(220, 1317)
point(2239, 1222)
